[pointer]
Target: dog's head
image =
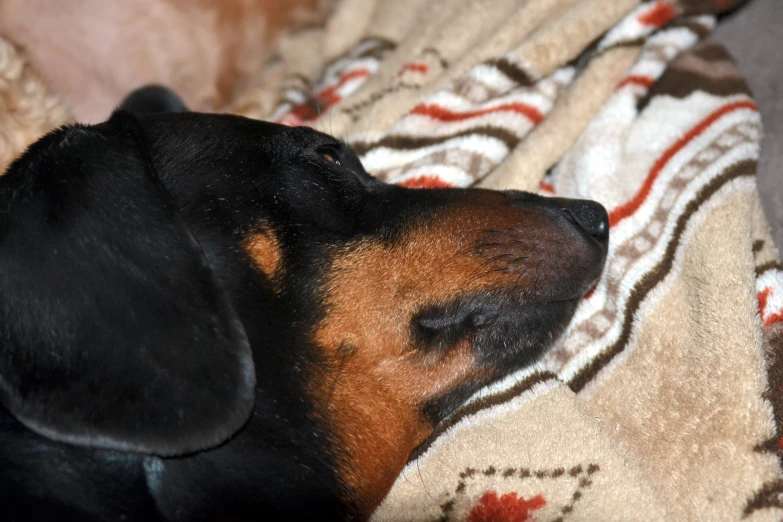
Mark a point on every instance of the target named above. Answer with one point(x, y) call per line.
point(159, 273)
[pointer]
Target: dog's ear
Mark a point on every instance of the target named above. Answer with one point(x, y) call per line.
point(152, 99)
point(113, 330)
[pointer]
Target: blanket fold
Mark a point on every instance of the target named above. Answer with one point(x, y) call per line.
point(663, 399)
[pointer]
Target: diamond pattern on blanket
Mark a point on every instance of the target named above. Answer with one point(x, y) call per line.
point(519, 493)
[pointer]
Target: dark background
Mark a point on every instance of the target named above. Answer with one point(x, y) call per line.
point(754, 37)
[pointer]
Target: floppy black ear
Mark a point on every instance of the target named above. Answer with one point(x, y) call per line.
point(152, 99)
point(113, 330)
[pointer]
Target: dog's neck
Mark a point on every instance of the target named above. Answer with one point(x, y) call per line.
point(375, 438)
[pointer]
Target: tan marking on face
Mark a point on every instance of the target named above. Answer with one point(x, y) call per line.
point(375, 399)
point(264, 249)
point(373, 392)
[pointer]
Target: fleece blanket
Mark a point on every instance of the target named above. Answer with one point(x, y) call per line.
point(28, 108)
point(663, 400)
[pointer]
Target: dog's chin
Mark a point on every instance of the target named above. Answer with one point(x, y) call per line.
point(513, 340)
point(518, 336)
point(506, 328)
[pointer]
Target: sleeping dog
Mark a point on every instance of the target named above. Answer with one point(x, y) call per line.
point(205, 317)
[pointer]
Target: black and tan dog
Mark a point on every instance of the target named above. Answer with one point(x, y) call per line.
point(204, 317)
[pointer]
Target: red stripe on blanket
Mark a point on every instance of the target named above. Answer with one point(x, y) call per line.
point(769, 320)
point(321, 101)
point(298, 115)
point(659, 15)
point(628, 208)
point(636, 79)
point(762, 299)
point(426, 181)
point(773, 319)
point(440, 113)
point(419, 67)
point(330, 93)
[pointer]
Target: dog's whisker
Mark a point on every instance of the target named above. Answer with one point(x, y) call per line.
point(424, 484)
point(320, 116)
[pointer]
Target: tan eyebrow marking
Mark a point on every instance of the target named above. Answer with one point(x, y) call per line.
point(265, 250)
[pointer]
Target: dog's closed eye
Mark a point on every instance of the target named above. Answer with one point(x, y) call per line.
point(440, 327)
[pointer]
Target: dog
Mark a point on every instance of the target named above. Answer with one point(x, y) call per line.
point(94, 52)
point(205, 317)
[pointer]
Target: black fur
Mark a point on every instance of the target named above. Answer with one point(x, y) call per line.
point(153, 99)
point(149, 370)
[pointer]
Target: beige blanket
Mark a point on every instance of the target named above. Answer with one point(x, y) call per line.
point(663, 399)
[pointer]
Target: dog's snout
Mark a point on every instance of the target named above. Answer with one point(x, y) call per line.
point(590, 216)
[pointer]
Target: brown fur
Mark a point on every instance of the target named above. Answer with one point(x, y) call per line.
point(93, 52)
point(378, 382)
point(264, 250)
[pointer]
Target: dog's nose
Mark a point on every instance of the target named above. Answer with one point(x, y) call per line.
point(589, 215)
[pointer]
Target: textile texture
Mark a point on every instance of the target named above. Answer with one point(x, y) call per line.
point(663, 399)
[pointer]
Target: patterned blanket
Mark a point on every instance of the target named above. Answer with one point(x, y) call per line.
point(664, 398)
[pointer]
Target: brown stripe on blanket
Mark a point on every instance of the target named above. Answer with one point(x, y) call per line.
point(512, 71)
point(773, 348)
point(696, 27)
point(771, 265)
point(771, 493)
point(375, 47)
point(653, 278)
point(352, 110)
point(580, 62)
point(431, 51)
point(482, 404)
point(381, 47)
point(769, 496)
point(708, 68)
point(407, 142)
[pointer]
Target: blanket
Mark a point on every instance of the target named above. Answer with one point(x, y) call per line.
point(663, 400)
point(28, 108)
